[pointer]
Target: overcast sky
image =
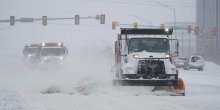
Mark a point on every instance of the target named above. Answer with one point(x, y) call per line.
point(143, 11)
point(90, 34)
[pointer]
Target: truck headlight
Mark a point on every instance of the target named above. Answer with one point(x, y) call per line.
point(136, 56)
point(61, 58)
point(29, 55)
point(168, 56)
point(44, 59)
point(129, 70)
point(43, 44)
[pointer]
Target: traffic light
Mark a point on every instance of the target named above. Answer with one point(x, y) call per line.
point(12, 20)
point(135, 24)
point(162, 26)
point(44, 20)
point(76, 19)
point(113, 25)
point(102, 19)
point(189, 28)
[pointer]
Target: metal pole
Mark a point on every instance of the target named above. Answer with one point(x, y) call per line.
point(142, 19)
point(182, 42)
point(189, 45)
point(39, 19)
point(217, 35)
point(174, 11)
point(203, 27)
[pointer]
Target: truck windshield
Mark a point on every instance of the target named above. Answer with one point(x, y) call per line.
point(52, 51)
point(149, 45)
point(32, 50)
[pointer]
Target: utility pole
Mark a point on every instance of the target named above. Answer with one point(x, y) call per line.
point(171, 8)
point(217, 28)
point(189, 30)
point(189, 45)
point(142, 19)
point(182, 43)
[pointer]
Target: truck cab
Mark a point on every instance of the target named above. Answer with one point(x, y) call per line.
point(141, 50)
point(52, 52)
point(31, 52)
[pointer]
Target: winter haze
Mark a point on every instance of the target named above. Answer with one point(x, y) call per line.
point(84, 80)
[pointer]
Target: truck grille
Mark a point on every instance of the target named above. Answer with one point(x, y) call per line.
point(151, 69)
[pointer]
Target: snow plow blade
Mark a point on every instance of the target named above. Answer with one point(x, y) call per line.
point(144, 82)
point(173, 87)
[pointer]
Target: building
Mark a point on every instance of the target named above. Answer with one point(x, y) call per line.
point(208, 29)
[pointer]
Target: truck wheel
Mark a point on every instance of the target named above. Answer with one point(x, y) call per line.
point(200, 69)
point(186, 68)
point(118, 73)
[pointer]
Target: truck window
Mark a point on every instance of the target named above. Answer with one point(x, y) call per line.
point(32, 50)
point(52, 51)
point(149, 45)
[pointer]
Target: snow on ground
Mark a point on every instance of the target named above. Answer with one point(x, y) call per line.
point(84, 86)
point(11, 100)
point(84, 80)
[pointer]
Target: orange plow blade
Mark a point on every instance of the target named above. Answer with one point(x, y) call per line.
point(180, 87)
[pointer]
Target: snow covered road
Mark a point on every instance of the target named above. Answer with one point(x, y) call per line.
point(11, 100)
point(93, 90)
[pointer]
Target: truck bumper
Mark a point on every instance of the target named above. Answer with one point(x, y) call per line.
point(143, 80)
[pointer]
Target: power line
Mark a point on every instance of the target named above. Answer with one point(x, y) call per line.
point(176, 4)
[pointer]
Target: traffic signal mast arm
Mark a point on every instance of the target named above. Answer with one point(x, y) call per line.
point(44, 19)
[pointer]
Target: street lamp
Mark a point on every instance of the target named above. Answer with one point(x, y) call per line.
point(140, 18)
point(166, 6)
point(174, 14)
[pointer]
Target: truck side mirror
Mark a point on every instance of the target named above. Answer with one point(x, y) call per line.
point(174, 47)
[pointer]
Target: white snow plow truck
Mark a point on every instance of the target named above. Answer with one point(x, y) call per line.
point(143, 58)
point(52, 52)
